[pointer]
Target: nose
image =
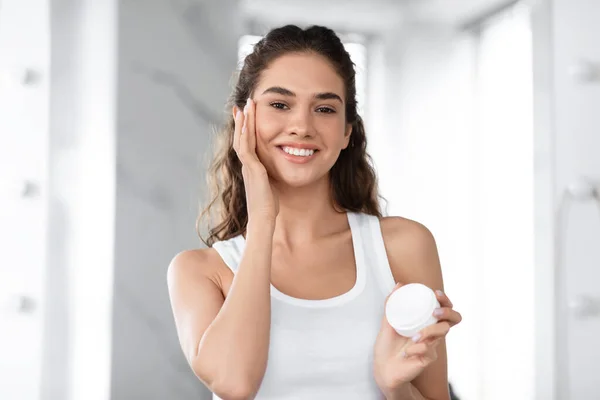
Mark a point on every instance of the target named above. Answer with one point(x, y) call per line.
point(301, 123)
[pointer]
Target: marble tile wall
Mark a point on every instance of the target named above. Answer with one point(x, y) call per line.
point(175, 63)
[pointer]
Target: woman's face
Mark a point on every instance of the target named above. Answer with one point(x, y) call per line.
point(300, 118)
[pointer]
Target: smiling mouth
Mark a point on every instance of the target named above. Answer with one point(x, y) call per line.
point(294, 151)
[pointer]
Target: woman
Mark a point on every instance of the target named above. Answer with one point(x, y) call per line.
point(287, 302)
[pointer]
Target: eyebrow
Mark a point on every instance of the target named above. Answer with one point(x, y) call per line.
point(320, 96)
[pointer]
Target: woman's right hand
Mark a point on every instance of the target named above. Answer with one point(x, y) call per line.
point(261, 201)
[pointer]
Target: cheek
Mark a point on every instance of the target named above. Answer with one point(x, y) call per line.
point(267, 129)
point(335, 131)
point(267, 126)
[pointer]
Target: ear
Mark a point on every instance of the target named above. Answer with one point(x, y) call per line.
point(347, 135)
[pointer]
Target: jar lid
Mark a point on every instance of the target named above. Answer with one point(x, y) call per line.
point(410, 306)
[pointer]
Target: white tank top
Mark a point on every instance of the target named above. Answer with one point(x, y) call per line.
point(323, 349)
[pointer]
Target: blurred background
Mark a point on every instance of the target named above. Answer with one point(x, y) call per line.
point(483, 119)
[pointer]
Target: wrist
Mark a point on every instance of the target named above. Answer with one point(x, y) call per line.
point(403, 392)
point(260, 226)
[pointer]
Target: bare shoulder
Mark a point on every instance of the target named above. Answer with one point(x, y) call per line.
point(412, 251)
point(196, 296)
point(406, 235)
point(195, 265)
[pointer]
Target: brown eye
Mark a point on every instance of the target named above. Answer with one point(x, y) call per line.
point(326, 110)
point(279, 106)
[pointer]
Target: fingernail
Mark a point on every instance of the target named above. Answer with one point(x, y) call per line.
point(416, 337)
point(437, 312)
point(439, 292)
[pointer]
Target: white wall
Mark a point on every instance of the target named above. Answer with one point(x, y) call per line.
point(57, 134)
point(81, 195)
point(505, 205)
point(567, 144)
point(24, 99)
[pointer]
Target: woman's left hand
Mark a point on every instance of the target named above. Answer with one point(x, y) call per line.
point(398, 360)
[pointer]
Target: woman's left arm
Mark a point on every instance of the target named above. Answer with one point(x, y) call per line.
point(414, 368)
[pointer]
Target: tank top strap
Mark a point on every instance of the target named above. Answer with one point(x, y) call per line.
point(231, 251)
point(373, 247)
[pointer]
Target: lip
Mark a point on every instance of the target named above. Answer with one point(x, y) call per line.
point(297, 159)
point(299, 146)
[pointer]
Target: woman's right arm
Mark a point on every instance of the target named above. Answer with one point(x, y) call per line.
point(226, 342)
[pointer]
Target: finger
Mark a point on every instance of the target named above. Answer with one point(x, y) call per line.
point(243, 151)
point(433, 342)
point(417, 349)
point(427, 350)
point(443, 299)
point(238, 121)
point(447, 314)
point(251, 125)
point(434, 331)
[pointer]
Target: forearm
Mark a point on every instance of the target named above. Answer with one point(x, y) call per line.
point(234, 348)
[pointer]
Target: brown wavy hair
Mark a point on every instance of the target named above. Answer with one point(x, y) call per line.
point(353, 179)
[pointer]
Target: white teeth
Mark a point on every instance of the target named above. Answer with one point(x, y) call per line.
point(298, 152)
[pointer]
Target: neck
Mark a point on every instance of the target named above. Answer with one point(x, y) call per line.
point(306, 213)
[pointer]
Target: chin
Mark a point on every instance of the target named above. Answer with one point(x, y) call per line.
point(297, 180)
